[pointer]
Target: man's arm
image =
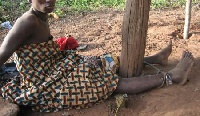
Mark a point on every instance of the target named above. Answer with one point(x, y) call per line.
point(19, 34)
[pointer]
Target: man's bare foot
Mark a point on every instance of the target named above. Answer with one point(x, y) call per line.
point(162, 56)
point(180, 72)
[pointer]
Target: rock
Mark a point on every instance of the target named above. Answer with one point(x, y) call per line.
point(8, 109)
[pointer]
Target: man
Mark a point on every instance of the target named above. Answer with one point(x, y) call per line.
point(51, 80)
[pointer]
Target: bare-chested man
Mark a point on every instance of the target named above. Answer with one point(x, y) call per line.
point(51, 81)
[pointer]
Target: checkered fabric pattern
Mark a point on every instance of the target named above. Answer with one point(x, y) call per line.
point(51, 80)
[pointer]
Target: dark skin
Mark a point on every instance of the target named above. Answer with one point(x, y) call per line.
point(32, 28)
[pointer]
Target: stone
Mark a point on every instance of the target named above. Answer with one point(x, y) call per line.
point(7, 108)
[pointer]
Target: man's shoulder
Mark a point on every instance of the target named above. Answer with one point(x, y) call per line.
point(28, 18)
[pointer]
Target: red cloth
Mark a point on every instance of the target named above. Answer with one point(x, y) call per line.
point(68, 43)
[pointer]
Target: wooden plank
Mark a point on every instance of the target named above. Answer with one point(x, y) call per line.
point(134, 33)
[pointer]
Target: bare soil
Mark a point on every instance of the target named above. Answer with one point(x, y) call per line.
point(101, 31)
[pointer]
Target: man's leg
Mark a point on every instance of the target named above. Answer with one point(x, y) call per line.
point(161, 57)
point(139, 84)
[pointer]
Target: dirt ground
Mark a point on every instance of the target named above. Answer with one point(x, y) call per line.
point(101, 31)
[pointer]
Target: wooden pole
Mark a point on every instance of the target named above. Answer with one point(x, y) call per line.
point(134, 33)
point(187, 18)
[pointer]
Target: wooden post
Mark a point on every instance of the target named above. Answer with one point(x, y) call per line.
point(134, 33)
point(187, 18)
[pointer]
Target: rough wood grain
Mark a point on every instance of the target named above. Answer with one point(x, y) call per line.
point(134, 33)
